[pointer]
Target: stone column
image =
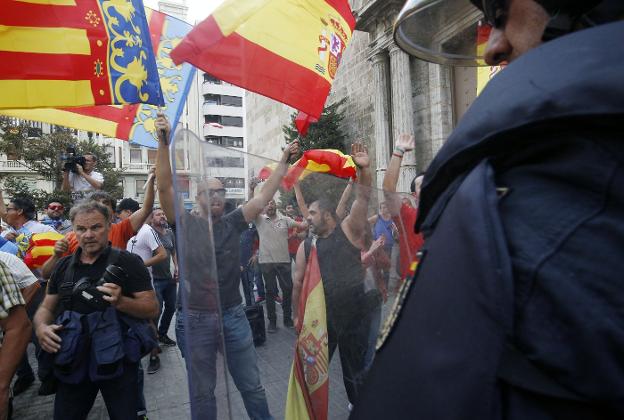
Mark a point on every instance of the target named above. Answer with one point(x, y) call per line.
point(441, 105)
point(402, 111)
point(381, 118)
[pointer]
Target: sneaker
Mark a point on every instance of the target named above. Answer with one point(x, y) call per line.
point(48, 387)
point(272, 327)
point(22, 384)
point(278, 299)
point(259, 299)
point(166, 340)
point(154, 365)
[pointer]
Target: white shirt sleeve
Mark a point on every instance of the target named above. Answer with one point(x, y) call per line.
point(21, 273)
point(149, 237)
point(97, 176)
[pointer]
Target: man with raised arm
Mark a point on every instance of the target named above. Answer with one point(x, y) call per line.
point(220, 236)
point(338, 246)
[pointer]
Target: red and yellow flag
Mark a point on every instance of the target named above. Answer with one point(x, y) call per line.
point(288, 50)
point(66, 53)
point(308, 388)
point(484, 74)
point(329, 161)
point(40, 247)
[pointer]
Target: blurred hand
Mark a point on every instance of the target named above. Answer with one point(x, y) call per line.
point(48, 338)
point(291, 150)
point(61, 247)
point(406, 142)
point(79, 169)
point(359, 153)
point(163, 128)
point(11, 236)
point(113, 291)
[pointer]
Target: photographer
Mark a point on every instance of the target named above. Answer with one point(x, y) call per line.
point(101, 292)
point(79, 178)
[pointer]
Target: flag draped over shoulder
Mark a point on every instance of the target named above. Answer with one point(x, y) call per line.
point(132, 122)
point(329, 161)
point(308, 388)
point(65, 53)
point(288, 50)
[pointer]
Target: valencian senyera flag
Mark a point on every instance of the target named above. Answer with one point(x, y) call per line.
point(328, 161)
point(65, 53)
point(36, 249)
point(485, 73)
point(288, 50)
point(132, 122)
point(308, 387)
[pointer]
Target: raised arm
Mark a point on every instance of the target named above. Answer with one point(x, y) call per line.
point(356, 222)
point(140, 216)
point(300, 267)
point(303, 208)
point(404, 144)
point(163, 169)
point(341, 208)
point(254, 207)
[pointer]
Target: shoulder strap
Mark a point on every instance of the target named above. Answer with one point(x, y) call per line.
point(307, 246)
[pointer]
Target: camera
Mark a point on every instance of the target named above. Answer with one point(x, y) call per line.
point(86, 290)
point(71, 158)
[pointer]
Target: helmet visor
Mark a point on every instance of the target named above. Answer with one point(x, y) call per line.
point(442, 31)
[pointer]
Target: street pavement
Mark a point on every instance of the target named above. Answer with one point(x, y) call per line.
point(166, 391)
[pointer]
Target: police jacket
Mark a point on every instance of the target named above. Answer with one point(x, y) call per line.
point(515, 311)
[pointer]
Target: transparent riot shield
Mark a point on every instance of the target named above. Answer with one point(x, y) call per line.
point(288, 278)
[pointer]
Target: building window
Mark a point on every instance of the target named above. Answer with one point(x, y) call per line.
point(232, 182)
point(184, 188)
point(138, 187)
point(110, 151)
point(151, 156)
point(225, 141)
point(231, 100)
point(212, 119)
point(211, 99)
point(225, 162)
point(135, 155)
point(210, 79)
point(232, 121)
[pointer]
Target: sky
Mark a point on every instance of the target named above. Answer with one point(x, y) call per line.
point(198, 9)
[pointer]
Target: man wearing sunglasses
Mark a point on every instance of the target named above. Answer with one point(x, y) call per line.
point(219, 232)
point(515, 310)
point(54, 218)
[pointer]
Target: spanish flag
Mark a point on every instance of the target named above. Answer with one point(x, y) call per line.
point(484, 74)
point(131, 122)
point(308, 388)
point(288, 50)
point(66, 53)
point(329, 161)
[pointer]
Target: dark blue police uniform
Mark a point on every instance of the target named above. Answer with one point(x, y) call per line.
point(515, 311)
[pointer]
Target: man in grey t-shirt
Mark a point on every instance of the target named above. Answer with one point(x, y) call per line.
point(274, 261)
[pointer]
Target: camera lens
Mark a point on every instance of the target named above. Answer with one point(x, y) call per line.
point(114, 274)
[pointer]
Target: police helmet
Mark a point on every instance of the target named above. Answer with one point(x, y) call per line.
point(455, 32)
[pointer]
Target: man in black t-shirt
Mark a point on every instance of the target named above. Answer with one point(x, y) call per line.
point(134, 297)
point(218, 232)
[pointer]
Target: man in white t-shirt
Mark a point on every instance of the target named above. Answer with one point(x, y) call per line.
point(147, 246)
point(85, 179)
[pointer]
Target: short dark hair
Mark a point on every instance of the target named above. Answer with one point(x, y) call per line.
point(128, 204)
point(89, 206)
point(413, 183)
point(26, 206)
point(328, 206)
point(102, 196)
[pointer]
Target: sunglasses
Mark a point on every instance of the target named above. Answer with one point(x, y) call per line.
point(56, 207)
point(214, 192)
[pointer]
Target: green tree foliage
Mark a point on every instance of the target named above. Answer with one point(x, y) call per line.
point(42, 154)
point(324, 134)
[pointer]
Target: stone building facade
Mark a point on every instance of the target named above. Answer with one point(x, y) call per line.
point(387, 93)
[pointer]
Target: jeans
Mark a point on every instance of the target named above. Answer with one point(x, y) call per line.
point(73, 402)
point(257, 275)
point(242, 360)
point(180, 331)
point(272, 273)
point(166, 293)
point(247, 280)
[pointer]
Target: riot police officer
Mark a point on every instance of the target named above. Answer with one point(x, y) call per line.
point(515, 311)
point(103, 296)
